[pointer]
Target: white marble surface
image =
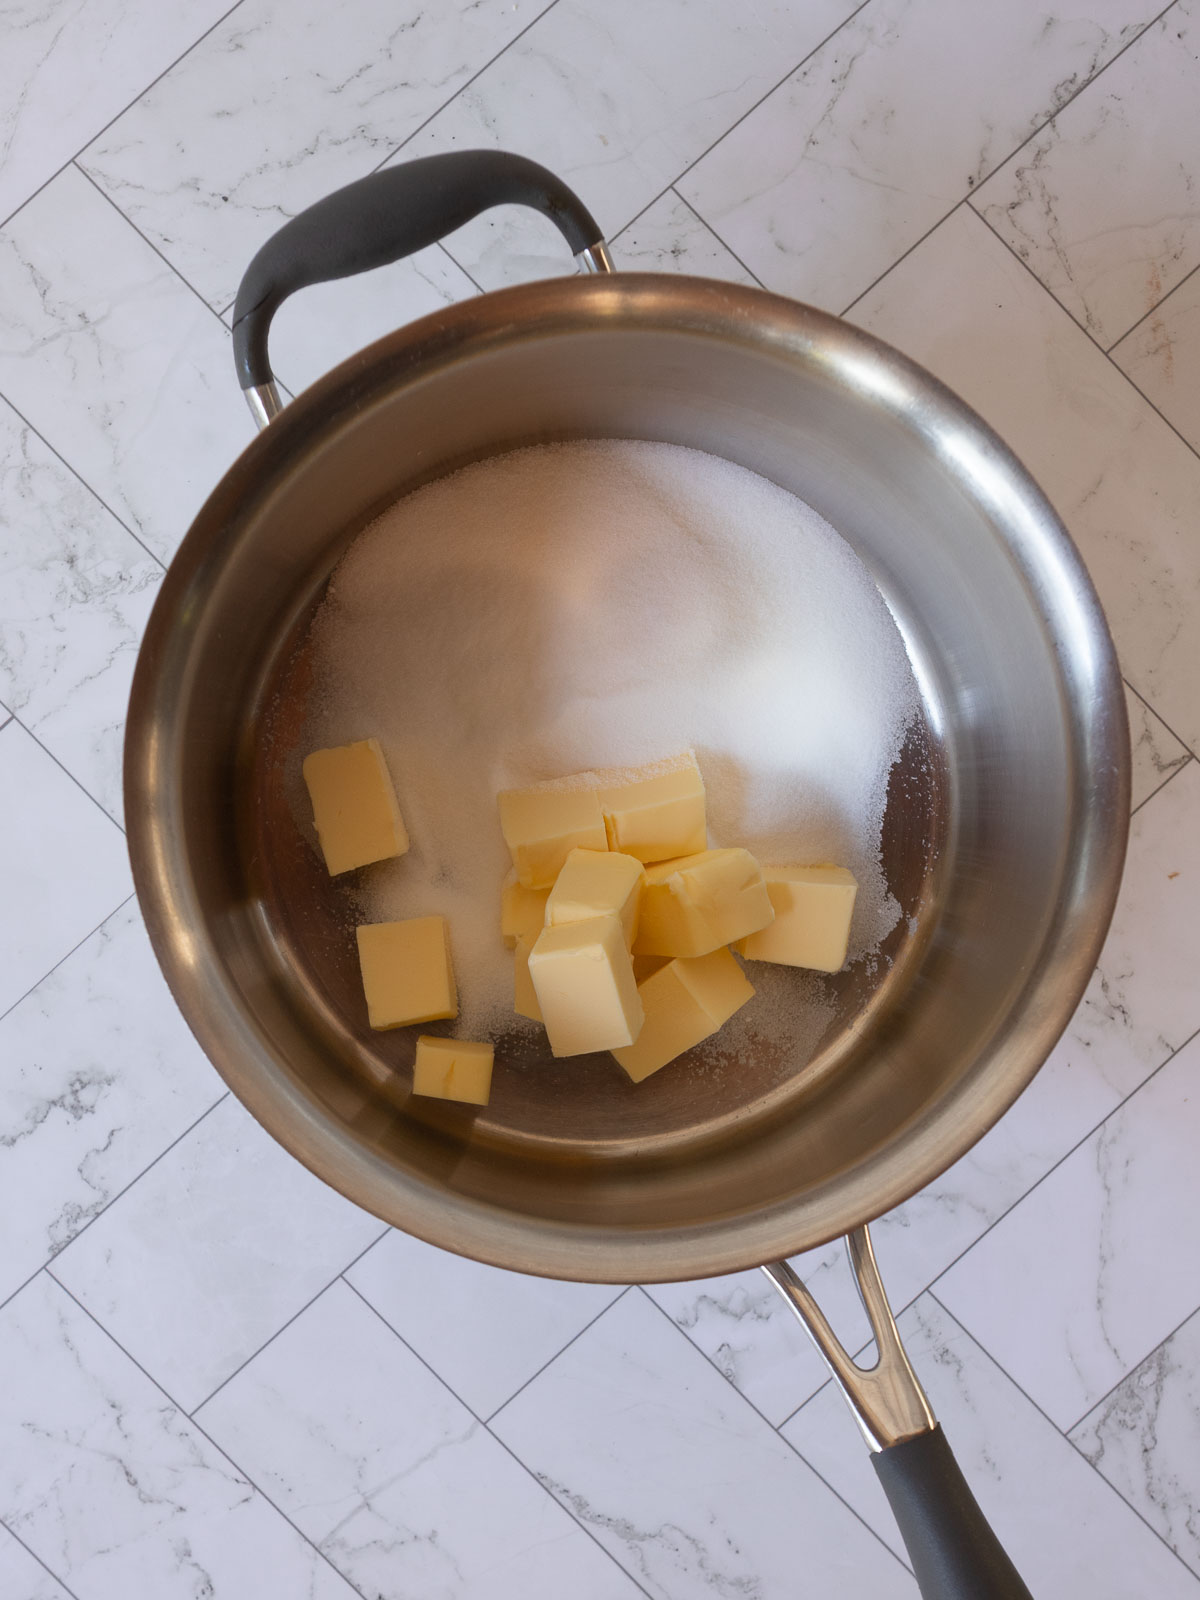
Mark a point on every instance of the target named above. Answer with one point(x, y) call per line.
point(1157, 753)
point(1103, 203)
point(212, 1251)
point(115, 360)
point(63, 868)
point(78, 588)
point(668, 236)
point(67, 70)
point(389, 1474)
point(1002, 191)
point(1144, 1437)
point(114, 1488)
point(1161, 354)
point(483, 1331)
point(1076, 1254)
point(889, 125)
point(22, 1575)
point(100, 1076)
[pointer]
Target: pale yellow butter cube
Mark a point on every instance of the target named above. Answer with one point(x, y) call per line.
point(522, 911)
point(583, 975)
point(525, 1000)
point(685, 1001)
point(656, 819)
point(354, 806)
point(593, 883)
point(813, 907)
point(406, 971)
point(693, 906)
point(542, 826)
point(453, 1069)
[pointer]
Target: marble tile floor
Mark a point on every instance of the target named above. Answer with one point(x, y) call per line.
point(314, 1405)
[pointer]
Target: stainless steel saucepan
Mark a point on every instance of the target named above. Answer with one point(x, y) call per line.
point(1003, 840)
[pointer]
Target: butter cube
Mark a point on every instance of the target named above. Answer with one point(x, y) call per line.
point(693, 906)
point(813, 907)
point(406, 971)
point(522, 911)
point(542, 826)
point(656, 819)
point(453, 1069)
point(583, 976)
point(354, 806)
point(594, 882)
point(525, 1000)
point(685, 1001)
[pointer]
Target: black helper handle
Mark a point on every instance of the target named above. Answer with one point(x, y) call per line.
point(383, 218)
point(955, 1555)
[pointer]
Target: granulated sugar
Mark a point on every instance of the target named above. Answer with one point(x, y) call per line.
point(608, 604)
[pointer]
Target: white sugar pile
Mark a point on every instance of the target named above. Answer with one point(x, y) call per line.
point(608, 604)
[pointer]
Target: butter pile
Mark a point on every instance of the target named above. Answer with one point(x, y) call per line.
point(609, 878)
point(620, 919)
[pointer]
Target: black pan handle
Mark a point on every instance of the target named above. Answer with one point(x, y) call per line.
point(382, 218)
point(954, 1553)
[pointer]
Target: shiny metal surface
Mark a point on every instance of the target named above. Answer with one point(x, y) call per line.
point(595, 258)
point(1003, 840)
point(887, 1399)
point(264, 401)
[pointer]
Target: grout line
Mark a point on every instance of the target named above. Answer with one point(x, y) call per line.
point(1074, 95)
point(1153, 311)
point(590, 1323)
point(31, 1551)
point(621, 1295)
point(700, 1351)
point(464, 86)
point(202, 1431)
point(78, 476)
point(144, 90)
point(764, 1418)
point(704, 222)
point(24, 726)
point(1186, 762)
point(150, 244)
point(991, 173)
point(1108, 1393)
point(1094, 342)
point(750, 110)
point(1091, 1133)
point(916, 245)
point(453, 259)
point(67, 956)
point(1062, 1432)
point(112, 1199)
point(254, 1354)
point(485, 1423)
point(1154, 713)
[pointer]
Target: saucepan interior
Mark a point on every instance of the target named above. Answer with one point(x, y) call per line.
point(1003, 837)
